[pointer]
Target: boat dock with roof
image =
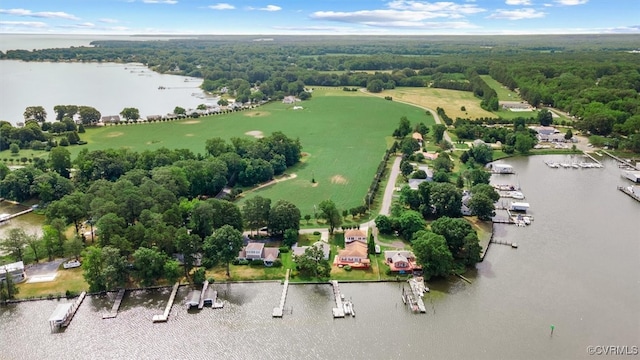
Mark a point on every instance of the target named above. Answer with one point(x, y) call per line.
point(63, 314)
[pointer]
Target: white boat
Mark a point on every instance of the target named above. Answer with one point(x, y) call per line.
point(516, 195)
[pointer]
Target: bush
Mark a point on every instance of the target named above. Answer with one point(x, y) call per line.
point(347, 268)
point(316, 233)
point(257, 262)
point(199, 276)
point(277, 263)
point(211, 280)
point(284, 249)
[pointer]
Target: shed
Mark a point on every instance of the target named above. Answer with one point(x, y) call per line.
point(519, 206)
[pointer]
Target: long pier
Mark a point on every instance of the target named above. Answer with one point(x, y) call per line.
point(172, 297)
point(338, 311)
point(619, 160)
point(11, 216)
point(74, 309)
point(116, 305)
point(513, 245)
point(278, 311)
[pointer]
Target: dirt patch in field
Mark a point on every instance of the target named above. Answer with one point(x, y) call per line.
point(339, 179)
point(190, 122)
point(315, 184)
point(189, 135)
point(255, 133)
point(257, 113)
point(115, 134)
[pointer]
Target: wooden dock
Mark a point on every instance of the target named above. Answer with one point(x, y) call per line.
point(163, 317)
point(74, 309)
point(11, 216)
point(338, 311)
point(278, 311)
point(513, 245)
point(628, 191)
point(202, 294)
point(116, 305)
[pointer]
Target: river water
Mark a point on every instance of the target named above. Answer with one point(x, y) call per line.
point(577, 267)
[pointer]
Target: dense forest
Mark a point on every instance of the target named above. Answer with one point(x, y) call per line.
point(595, 78)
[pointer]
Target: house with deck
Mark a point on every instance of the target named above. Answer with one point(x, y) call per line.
point(402, 262)
point(257, 251)
point(354, 254)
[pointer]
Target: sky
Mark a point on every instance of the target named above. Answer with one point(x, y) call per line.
point(333, 17)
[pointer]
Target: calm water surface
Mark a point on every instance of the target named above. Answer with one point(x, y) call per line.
point(577, 267)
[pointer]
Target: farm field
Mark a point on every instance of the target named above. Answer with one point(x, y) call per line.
point(450, 100)
point(343, 137)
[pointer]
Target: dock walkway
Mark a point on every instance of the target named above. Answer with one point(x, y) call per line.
point(338, 311)
point(74, 309)
point(628, 191)
point(116, 305)
point(11, 216)
point(172, 297)
point(278, 311)
point(203, 294)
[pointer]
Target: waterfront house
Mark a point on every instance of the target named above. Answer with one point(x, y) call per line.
point(354, 254)
point(401, 261)
point(257, 251)
point(355, 235)
point(299, 250)
point(15, 270)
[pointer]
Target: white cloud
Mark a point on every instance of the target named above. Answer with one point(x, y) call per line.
point(516, 14)
point(39, 14)
point(406, 14)
point(518, 2)
point(222, 6)
point(169, 2)
point(271, 8)
point(109, 21)
point(571, 2)
point(28, 24)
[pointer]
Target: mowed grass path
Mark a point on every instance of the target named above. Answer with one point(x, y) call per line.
point(450, 100)
point(504, 94)
point(345, 138)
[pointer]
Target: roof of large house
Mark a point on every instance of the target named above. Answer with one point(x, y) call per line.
point(354, 233)
point(354, 249)
point(389, 254)
point(270, 254)
point(416, 135)
point(546, 130)
point(255, 246)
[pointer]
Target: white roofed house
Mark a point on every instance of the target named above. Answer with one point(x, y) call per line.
point(257, 251)
point(15, 270)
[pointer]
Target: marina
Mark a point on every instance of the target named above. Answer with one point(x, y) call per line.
point(574, 165)
point(413, 297)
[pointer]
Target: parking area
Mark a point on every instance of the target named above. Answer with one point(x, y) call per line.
point(42, 272)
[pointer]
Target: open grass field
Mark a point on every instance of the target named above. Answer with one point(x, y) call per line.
point(504, 94)
point(450, 100)
point(343, 134)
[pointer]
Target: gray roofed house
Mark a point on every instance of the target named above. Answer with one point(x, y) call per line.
point(299, 250)
point(257, 251)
